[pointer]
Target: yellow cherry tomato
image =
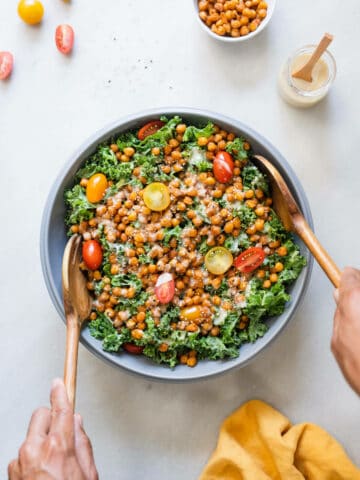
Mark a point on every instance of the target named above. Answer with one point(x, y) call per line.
point(30, 11)
point(218, 260)
point(95, 188)
point(156, 196)
point(191, 313)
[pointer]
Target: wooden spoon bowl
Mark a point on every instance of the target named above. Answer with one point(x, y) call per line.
point(77, 305)
point(293, 220)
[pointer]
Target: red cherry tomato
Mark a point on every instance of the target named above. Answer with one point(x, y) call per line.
point(6, 64)
point(134, 349)
point(250, 259)
point(223, 167)
point(92, 254)
point(149, 129)
point(165, 288)
point(64, 38)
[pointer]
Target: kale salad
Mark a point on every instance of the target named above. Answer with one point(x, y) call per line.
point(183, 254)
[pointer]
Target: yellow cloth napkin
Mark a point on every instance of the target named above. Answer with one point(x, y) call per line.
point(259, 443)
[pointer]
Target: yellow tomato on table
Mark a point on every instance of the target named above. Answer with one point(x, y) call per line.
point(30, 11)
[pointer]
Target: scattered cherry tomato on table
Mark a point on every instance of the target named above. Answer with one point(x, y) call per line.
point(223, 167)
point(30, 11)
point(165, 288)
point(134, 349)
point(6, 64)
point(64, 38)
point(96, 187)
point(218, 260)
point(92, 254)
point(156, 196)
point(149, 129)
point(250, 259)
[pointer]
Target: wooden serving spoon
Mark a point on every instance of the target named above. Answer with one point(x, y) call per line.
point(293, 220)
point(77, 305)
point(305, 72)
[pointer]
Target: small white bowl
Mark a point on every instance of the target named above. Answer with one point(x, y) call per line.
point(263, 24)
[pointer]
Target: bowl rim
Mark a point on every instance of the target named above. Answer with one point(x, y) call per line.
point(165, 373)
point(226, 39)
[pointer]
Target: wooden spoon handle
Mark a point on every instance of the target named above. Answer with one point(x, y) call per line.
point(322, 257)
point(71, 359)
point(320, 49)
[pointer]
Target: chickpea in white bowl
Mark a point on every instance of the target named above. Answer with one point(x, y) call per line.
point(234, 20)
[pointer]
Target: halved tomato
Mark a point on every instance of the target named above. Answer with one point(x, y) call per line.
point(149, 129)
point(134, 349)
point(218, 260)
point(6, 64)
point(223, 167)
point(64, 38)
point(156, 196)
point(165, 288)
point(250, 259)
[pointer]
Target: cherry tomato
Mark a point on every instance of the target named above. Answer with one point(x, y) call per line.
point(250, 259)
point(149, 129)
point(218, 260)
point(156, 196)
point(165, 288)
point(92, 254)
point(30, 11)
point(134, 349)
point(223, 167)
point(6, 64)
point(191, 313)
point(95, 188)
point(64, 38)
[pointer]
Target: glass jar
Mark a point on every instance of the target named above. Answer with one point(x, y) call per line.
point(300, 93)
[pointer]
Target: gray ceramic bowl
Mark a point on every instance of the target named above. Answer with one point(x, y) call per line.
point(53, 239)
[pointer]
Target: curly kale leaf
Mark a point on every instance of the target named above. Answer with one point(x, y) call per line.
point(253, 179)
point(192, 134)
point(236, 244)
point(104, 161)
point(79, 207)
point(246, 214)
point(132, 304)
point(151, 168)
point(102, 329)
point(256, 329)
point(265, 302)
point(237, 150)
point(294, 262)
point(275, 229)
point(126, 280)
point(198, 161)
point(173, 232)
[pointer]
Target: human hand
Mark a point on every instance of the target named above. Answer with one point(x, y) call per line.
point(345, 343)
point(56, 446)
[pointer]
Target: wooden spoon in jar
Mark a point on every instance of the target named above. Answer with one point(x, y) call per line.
point(305, 72)
point(293, 220)
point(77, 305)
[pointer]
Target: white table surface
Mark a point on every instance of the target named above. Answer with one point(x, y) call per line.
point(135, 55)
